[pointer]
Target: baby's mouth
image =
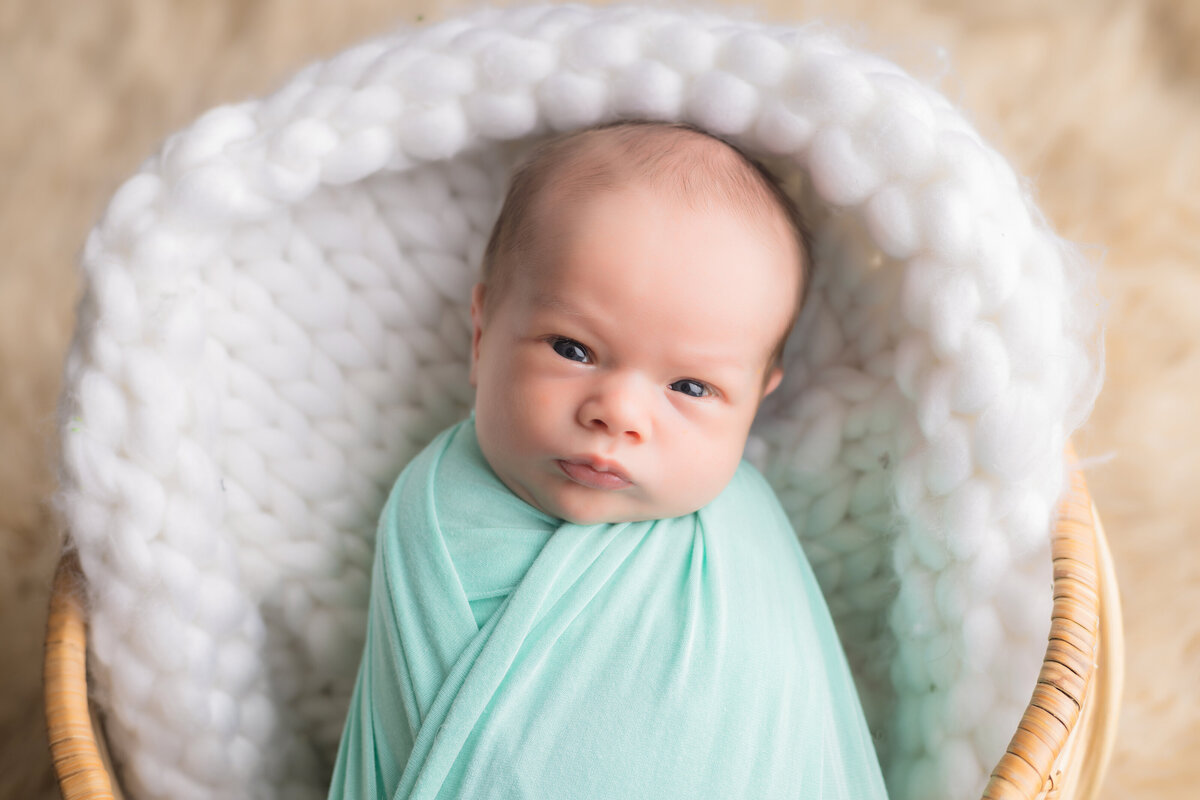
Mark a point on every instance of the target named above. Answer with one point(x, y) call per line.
point(594, 473)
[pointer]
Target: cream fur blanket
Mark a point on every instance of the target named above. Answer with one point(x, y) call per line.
point(984, 59)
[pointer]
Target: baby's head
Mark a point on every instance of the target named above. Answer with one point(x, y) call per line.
point(637, 290)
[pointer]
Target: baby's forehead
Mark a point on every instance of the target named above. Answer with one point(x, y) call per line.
point(675, 164)
point(556, 212)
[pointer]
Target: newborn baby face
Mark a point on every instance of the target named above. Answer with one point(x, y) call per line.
point(618, 372)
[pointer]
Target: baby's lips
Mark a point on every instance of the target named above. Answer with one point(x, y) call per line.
point(595, 473)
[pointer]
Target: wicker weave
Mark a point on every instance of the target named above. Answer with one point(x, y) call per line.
point(1059, 751)
point(84, 771)
point(1064, 739)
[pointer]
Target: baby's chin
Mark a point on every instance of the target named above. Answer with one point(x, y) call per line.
point(606, 510)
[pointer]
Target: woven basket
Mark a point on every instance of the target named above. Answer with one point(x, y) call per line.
point(1058, 752)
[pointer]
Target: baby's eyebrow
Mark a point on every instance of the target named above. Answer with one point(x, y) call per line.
point(554, 302)
point(716, 366)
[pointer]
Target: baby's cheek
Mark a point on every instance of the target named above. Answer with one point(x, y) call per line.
point(538, 404)
point(541, 403)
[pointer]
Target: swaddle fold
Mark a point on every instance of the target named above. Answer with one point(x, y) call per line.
point(511, 655)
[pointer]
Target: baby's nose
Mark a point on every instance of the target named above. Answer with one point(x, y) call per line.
point(620, 406)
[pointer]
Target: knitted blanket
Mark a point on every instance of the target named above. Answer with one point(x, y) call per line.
point(275, 321)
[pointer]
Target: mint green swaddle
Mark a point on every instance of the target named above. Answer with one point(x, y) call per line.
point(513, 655)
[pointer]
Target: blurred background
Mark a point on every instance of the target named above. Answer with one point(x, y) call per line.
point(1097, 102)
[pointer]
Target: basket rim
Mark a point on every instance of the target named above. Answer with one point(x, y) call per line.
point(80, 759)
point(1071, 711)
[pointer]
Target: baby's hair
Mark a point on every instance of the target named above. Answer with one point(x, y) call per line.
point(674, 156)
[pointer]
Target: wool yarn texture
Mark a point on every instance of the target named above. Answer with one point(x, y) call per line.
point(275, 321)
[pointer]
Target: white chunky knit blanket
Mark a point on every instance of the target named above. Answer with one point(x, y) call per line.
point(275, 320)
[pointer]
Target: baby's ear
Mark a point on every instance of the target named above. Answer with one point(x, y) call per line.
point(476, 326)
point(773, 379)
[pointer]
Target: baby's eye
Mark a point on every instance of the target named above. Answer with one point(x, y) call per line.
point(570, 349)
point(692, 388)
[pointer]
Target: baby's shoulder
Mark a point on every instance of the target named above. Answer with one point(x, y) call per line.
point(749, 480)
point(451, 480)
point(749, 497)
point(749, 527)
point(419, 471)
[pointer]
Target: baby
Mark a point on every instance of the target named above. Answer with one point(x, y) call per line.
point(582, 591)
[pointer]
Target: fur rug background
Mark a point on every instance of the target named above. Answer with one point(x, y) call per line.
point(1097, 101)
